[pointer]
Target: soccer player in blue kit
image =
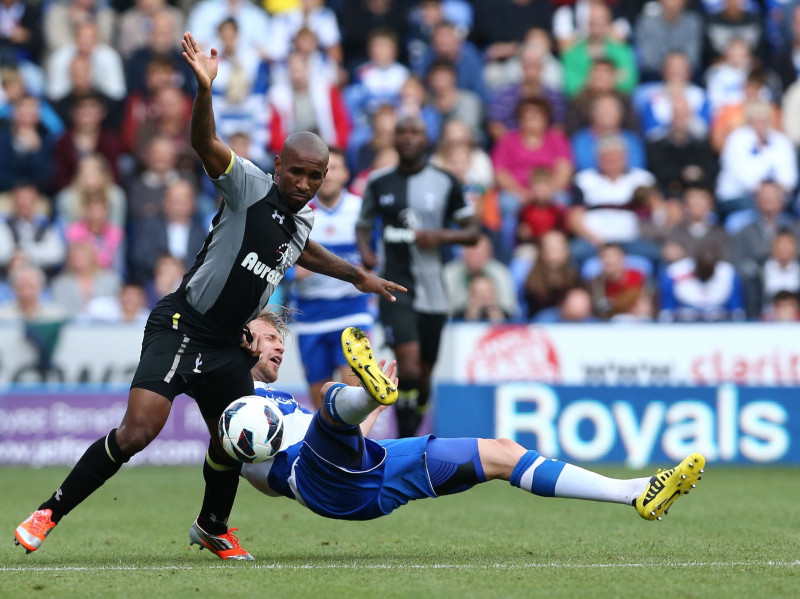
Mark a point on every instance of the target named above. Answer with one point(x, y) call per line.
point(324, 307)
point(327, 464)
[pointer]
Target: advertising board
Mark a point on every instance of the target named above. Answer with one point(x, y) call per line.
point(632, 425)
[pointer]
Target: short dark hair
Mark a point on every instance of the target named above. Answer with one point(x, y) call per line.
point(603, 62)
point(784, 295)
point(538, 103)
point(701, 188)
point(757, 76)
point(160, 62)
point(786, 231)
point(228, 21)
point(441, 64)
point(612, 246)
point(87, 97)
point(443, 25)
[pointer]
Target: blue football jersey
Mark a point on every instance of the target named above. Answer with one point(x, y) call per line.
point(395, 471)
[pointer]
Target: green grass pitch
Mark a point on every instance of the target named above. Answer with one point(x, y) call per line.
point(736, 535)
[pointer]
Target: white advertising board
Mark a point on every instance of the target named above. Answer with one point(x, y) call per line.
point(610, 354)
point(593, 354)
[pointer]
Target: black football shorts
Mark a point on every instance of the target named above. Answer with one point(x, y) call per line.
point(402, 324)
point(214, 375)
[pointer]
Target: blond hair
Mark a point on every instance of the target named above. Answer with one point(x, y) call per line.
point(278, 317)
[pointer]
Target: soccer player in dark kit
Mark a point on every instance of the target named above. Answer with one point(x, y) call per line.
point(195, 340)
point(417, 203)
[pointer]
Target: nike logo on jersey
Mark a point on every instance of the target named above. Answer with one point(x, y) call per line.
point(259, 268)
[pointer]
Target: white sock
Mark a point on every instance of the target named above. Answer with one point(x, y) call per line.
point(552, 478)
point(349, 405)
point(577, 483)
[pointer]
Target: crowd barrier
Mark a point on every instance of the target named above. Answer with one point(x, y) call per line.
point(637, 394)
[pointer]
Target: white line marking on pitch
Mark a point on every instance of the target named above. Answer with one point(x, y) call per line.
point(554, 565)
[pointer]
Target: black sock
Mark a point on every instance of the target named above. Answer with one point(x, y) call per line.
point(407, 413)
point(222, 481)
point(98, 463)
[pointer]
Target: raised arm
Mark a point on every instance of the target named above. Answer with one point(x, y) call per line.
point(215, 155)
point(315, 257)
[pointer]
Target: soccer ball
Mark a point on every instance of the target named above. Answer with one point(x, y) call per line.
point(251, 429)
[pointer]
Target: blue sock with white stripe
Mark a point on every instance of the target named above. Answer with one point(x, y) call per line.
point(348, 405)
point(551, 478)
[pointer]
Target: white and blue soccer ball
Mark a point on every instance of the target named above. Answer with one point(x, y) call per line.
point(251, 429)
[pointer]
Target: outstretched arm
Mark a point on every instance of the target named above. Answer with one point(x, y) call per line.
point(315, 257)
point(215, 155)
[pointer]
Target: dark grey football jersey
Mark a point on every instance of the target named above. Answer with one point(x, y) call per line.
point(254, 239)
point(429, 199)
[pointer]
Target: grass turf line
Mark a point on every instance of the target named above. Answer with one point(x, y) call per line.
point(733, 536)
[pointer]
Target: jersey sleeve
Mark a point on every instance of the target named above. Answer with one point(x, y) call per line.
point(242, 184)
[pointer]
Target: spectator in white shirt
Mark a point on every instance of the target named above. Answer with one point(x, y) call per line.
point(312, 14)
point(379, 80)
point(725, 80)
point(754, 153)
point(30, 232)
point(782, 269)
point(253, 21)
point(604, 210)
point(28, 284)
point(240, 93)
point(62, 18)
point(107, 71)
point(136, 23)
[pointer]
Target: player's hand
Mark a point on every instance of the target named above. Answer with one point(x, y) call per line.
point(249, 342)
point(428, 239)
point(371, 283)
point(389, 369)
point(369, 260)
point(204, 67)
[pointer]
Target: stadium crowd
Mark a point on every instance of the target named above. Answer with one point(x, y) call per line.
point(629, 160)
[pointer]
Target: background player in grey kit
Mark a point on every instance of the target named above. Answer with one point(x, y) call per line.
point(417, 204)
point(194, 340)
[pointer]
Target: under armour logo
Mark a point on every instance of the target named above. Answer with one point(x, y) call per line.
point(197, 363)
point(59, 492)
point(278, 217)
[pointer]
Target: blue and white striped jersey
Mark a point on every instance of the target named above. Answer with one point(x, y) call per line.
point(325, 304)
point(272, 477)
